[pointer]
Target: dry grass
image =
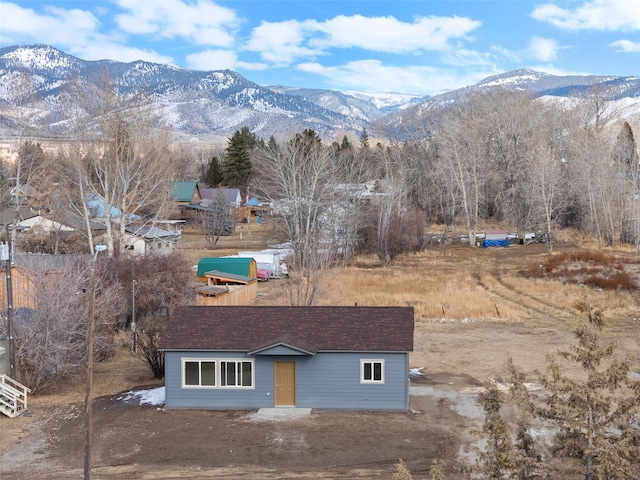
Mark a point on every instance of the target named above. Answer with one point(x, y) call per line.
point(473, 306)
point(193, 245)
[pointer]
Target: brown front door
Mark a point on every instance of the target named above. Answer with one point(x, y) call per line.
point(285, 384)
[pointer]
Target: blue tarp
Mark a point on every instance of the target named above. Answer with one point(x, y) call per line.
point(495, 243)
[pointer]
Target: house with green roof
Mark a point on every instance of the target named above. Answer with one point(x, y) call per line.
point(185, 193)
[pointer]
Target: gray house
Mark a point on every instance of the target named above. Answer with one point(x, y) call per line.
point(247, 357)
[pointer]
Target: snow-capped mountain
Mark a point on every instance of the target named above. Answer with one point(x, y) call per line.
point(194, 103)
point(367, 106)
point(621, 94)
point(211, 105)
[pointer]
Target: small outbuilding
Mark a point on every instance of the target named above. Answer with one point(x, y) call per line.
point(227, 289)
point(238, 266)
point(354, 358)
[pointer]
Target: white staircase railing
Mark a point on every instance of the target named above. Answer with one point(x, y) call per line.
point(13, 397)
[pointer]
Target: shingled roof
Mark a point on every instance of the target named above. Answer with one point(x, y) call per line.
point(248, 328)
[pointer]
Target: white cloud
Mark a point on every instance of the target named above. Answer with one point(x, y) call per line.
point(543, 49)
point(120, 53)
point(373, 76)
point(56, 26)
point(76, 31)
point(202, 22)
point(212, 60)
point(387, 34)
point(281, 43)
point(220, 60)
point(284, 42)
point(626, 46)
point(592, 15)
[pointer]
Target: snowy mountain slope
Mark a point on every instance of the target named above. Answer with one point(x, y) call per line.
point(214, 104)
point(622, 95)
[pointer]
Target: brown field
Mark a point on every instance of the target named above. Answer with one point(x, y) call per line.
point(472, 307)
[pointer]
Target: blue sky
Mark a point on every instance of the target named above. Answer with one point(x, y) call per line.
point(406, 46)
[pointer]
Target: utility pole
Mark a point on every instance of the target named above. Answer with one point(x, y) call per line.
point(88, 401)
point(5, 254)
point(133, 315)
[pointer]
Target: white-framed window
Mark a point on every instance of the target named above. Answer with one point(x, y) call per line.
point(217, 373)
point(198, 373)
point(371, 371)
point(236, 373)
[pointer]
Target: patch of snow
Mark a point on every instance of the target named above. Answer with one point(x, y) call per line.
point(154, 396)
point(384, 99)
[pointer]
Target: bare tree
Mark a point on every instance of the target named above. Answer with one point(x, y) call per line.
point(461, 151)
point(298, 177)
point(217, 219)
point(121, 161)
point(50, 341)
point(149, 332)
point(22, 92)
point(395, 226)
point(159, 286)
point(549, 173)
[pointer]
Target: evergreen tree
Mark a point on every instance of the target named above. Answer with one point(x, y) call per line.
point(625, 150)
point(595, 414)
point(273, 144)
point(345, 144)
point(309, 140)
point(527, 463)
point(364, 139)
point(214, 176)
point(237, 167)
point(495, 462)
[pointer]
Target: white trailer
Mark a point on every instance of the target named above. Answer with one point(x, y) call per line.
point(274, 258)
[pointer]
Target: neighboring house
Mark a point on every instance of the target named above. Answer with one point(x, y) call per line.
point(21, 194)
point(354, 358)
point(149, 240)
point(66, 226)
point(231, 196)
point(185, 193)
point(237, 266)
point(187, 199)
point(227, 289)
point(251, 209)
point(8, 215)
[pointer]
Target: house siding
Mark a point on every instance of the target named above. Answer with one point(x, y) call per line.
point(325, 381)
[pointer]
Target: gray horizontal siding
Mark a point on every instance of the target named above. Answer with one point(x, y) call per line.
point(325, 381)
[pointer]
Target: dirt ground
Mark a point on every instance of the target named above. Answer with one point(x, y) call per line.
point(133, 441)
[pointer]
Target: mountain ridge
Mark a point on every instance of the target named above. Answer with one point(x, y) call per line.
point(213, 104)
